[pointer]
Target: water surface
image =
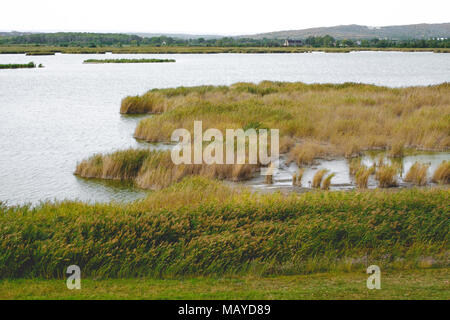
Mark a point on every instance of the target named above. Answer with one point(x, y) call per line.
point(53, 117)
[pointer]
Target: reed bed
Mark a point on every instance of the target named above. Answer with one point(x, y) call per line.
point(417, 174)
point(128, 60)
point(442, 173)
point(29, 65)
point(155, 170)
point(200, 227)
point(315, 121)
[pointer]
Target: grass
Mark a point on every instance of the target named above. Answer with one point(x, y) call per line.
point(417, 174)
point(155, 169)
point(19, 49)
point(428, 284)
point(128, 60)
point(315, 121)
point(200, 227)
point(442, 173)
point(17, 66)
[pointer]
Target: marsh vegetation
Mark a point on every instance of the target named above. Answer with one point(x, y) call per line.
point(128, 60)
point(18, 66)
point(317, 120)
point(201, 227)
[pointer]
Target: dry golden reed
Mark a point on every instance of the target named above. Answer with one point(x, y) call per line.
point(327, 182)
point(155, 169)
point(362, 177)
point(386, 175)
point(297, 177)
point(318, 176)
point(417, 174)
point(442, 173)
point(315, 120)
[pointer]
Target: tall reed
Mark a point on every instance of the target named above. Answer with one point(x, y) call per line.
point(200, 227)
point(386, 175)
point(318, 176)
point(417, 174)
point(442, 173)
point(297, 177)
point(327, 182)
point(362, 177)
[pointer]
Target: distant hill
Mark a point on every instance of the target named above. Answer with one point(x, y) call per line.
point(13, 33)
point(353, 31)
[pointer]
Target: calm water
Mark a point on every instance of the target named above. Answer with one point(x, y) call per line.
point(53, 117)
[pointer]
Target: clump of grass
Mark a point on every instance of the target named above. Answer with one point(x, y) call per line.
point(327, 182)
point(149, 103)
point(417, 174)
point(29, 65)
point(307, 152)
point(362, 177)
point(128, 60)
point(442, 173)
point(318, 176)
point(397, 150)
point(297, 177)
point(200, 227)
point(386, 175)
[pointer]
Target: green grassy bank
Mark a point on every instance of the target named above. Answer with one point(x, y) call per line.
point(416, 284)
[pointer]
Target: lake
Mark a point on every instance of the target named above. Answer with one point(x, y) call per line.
point(58, 115)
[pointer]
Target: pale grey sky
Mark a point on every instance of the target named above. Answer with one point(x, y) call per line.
point(228, 17)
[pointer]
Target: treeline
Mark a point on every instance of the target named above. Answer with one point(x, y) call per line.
point(328, 41)
point(94, 40)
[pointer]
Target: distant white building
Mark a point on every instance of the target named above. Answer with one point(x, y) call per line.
point(292, 43)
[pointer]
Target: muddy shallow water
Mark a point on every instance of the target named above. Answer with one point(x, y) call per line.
point(282, 178)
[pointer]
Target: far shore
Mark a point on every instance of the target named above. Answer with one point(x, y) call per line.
point(36, 50)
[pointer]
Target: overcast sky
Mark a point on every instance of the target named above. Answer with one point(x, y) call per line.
point(225, 17)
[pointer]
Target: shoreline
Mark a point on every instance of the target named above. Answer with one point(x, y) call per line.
point(36, 50)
